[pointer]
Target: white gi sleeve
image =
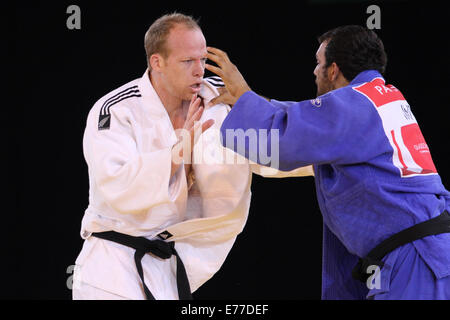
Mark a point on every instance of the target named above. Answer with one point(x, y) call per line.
point(269, 172)
point(129, 180)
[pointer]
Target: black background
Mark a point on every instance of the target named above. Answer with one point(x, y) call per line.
point(55, 75)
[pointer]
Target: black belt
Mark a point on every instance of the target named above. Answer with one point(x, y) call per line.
point(159, 248)
point(437, 225)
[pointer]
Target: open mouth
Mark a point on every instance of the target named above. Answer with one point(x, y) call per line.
point(196, 87)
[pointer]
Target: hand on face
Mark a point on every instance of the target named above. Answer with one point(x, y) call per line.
point(191, 128)
point(235, 84)
point(194, 114)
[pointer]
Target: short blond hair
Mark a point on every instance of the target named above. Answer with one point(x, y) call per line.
point(156, 36)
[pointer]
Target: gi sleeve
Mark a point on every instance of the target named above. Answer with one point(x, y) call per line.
point(129, 180)
point(282, 104)
point(268, 172)
point(333, 129)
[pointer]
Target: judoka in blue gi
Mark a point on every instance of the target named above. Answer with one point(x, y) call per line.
point(384, 206)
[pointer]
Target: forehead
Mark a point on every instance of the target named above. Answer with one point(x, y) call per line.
point(321, 51)
point(183, 41)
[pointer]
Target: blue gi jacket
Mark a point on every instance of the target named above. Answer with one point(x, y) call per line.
point(373, 170)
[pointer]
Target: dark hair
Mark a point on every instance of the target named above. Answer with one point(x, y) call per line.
point(354, 49)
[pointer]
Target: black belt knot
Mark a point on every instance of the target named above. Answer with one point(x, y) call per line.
point(435, 226)
point(159, 248)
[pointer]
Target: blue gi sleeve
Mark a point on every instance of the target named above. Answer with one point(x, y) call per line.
point(282, 104)
point(335, 128)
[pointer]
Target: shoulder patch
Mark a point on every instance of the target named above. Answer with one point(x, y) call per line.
point(104, 119)
point(316, 102)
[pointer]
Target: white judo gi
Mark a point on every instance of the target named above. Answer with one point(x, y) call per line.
point(127, 146)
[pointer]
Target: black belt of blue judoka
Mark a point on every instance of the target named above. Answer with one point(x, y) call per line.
point(437, 225)
point(159, 248)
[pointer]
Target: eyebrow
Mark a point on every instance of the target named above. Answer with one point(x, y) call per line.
point(193, 58)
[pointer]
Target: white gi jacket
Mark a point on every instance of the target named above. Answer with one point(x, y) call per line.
point(127, 146)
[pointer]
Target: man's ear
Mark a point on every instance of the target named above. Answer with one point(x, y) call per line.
point(333, 72)
point(156, 62)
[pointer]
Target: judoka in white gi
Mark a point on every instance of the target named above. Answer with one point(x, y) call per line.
point(140, 187)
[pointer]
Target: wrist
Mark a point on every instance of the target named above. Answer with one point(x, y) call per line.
point(242, 92)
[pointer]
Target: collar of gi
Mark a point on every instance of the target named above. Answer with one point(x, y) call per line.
point(366, 76)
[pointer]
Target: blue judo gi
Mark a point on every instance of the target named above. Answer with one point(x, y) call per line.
point(374, 177)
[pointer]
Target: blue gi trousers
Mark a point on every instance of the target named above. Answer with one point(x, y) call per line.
point(406, 276)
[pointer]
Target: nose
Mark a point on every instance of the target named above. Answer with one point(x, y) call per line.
point(315, 70)
point(199, 69)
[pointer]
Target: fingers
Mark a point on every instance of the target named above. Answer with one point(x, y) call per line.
point(217, 53)
point(219, 57)
point(195, 133)
point(225, 98)
point(193, 106)
point(220, 98)
point(204, 126)
point(207, 124)
point(222, 90)
point(214, 101)
point(213, 69)
point(194, 118)
point(198, 114)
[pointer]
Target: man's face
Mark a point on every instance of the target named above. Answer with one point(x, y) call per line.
point(324, 85)
point(184, 67)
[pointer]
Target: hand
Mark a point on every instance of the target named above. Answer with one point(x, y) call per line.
point(223, 97)
point(235, 83)
point(191, 124)
point(190, 131)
